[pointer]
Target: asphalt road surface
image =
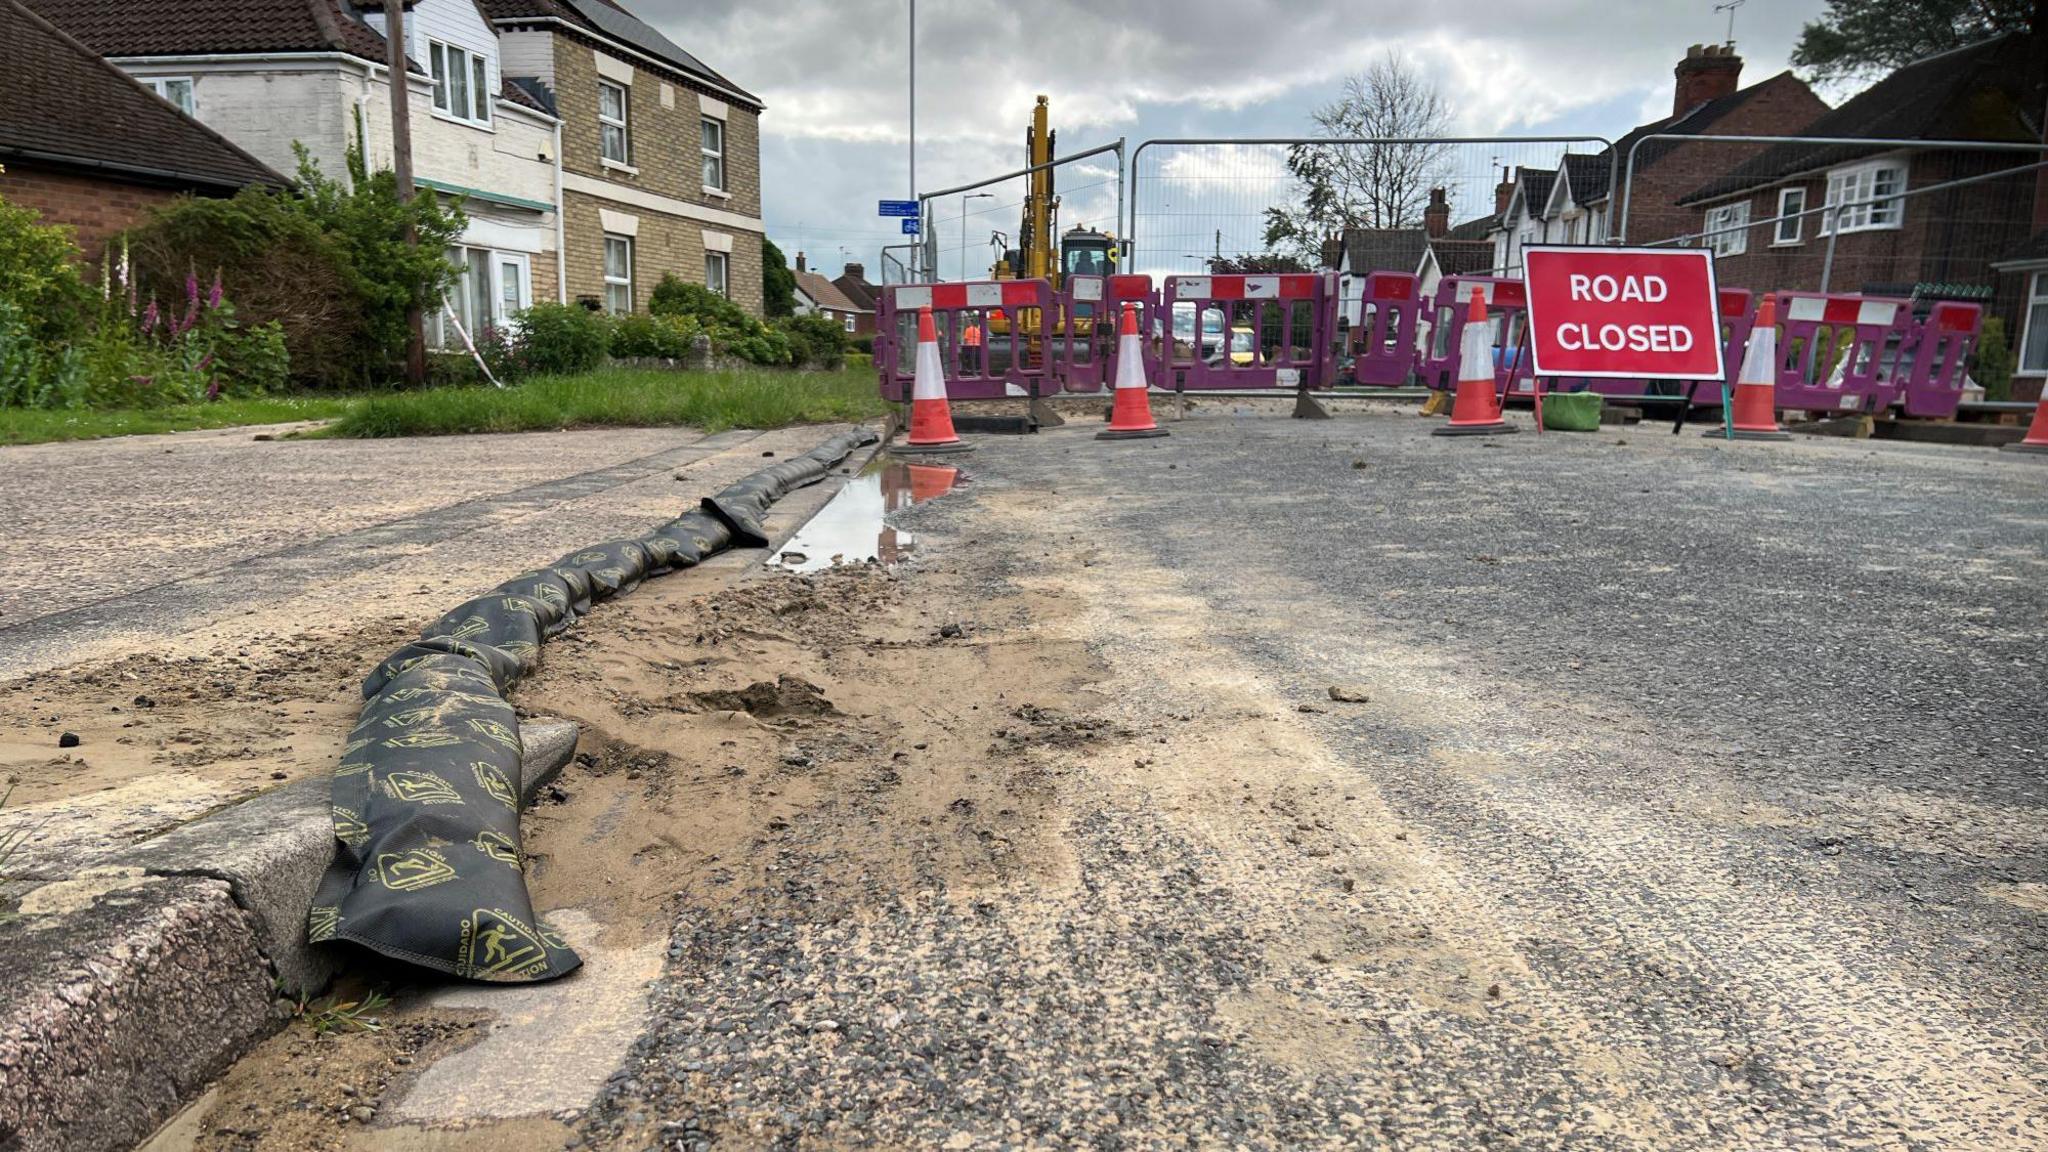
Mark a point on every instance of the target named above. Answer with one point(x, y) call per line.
point(1700, 801)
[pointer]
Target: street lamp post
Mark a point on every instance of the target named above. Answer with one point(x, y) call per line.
point(963, 226)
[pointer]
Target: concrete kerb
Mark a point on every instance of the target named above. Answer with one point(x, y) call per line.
point(158, 967)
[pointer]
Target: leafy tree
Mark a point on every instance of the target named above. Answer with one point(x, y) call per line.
point(329, 263)
point(778, 283)
point(39, 274)
point(1258, 264)
point(1339, 186)
point(1861, 39)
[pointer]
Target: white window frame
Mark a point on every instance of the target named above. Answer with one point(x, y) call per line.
point(850, 322)
point(623, 122)
point(161, 85)
point(713, 156)
point(1727, 226)
point(723, 262)
point(624, 282)
point(450, 66)
point(1859, 182)
point(461, 292)
point(1788, 233)
point(2035, 327)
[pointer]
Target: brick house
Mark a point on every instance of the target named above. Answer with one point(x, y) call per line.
point(85, 145)
point(853, 282)
point(275, 75)
point(818, 296)
point(660, 155)
point(1582, 200)
point(1942, 245)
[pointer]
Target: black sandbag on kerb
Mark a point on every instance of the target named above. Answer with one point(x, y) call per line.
point(428, 862)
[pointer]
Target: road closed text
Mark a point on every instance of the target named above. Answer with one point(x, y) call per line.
point(1616, 312)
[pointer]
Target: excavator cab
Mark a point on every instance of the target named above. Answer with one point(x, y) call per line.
point(1086, 252)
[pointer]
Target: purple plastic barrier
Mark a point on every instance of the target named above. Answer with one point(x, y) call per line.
point(1383, 345)
point(1930, 372)
point(1821, 330)
point(1737, 319)
point(980, 363)
point(1087, 360)
point(1298, 311)
point(1507, 307)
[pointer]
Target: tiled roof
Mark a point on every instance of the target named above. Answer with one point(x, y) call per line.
point(857, 290)
point(1461, 257)
point(199, 27)
point(1990, 90)
point(62, 104)
point(826, 294)
point(1534, 184)
point(608, 20)
point(1477, 228)
point(1383, 249)
point(1586, 176)
point(527, 92)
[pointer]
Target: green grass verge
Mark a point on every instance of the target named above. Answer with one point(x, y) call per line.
point(620, 397)
point(31, 426)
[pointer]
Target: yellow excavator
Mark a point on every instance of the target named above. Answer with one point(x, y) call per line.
point(1082, 251)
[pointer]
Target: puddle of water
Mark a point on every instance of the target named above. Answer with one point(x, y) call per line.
point(852, 527)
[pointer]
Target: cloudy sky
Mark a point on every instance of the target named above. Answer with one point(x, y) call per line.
point(833, 74)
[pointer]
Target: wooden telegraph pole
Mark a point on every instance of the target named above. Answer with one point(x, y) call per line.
point(401, 166)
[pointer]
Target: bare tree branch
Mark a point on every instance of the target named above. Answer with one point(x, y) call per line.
point(1339, 186)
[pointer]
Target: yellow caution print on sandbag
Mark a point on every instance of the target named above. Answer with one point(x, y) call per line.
point(323, 922)
point(497, 945)
point(495, 783)
point(429, 738)
point(495, 731)
point(414, 870)
point(497, 846)
point(349, 827)
point(420, 788)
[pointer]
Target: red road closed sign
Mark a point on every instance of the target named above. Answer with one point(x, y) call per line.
point(1647, 313)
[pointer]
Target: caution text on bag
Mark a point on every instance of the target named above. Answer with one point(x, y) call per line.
point(1647, 313)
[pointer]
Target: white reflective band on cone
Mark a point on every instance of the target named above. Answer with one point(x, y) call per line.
point(1475, 353)
point(1130, 367)
point(931, 378)
point(1759, 359)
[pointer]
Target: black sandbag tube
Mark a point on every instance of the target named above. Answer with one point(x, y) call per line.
point(427, 863)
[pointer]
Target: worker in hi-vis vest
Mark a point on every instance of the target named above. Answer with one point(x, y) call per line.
point(970, 348)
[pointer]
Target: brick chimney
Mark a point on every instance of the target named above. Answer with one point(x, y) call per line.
point(1333, 250)
point(1436, 219)
point(1708, 72)
point(1503, 192)
point(800, 266)
point(855, 272)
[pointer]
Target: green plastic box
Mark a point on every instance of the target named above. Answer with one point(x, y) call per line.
point(1572, 411)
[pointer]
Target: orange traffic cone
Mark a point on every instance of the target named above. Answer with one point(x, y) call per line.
point(1476, 411)
point(1131, 419)
point(2037, 432)
point(931, 418)
point(1755, 411)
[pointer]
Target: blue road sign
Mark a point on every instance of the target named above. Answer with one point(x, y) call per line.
point(897, 208)
point(910, 226)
